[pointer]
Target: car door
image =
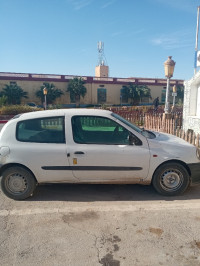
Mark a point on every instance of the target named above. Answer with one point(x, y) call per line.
point(42, 147)
point(100, 151)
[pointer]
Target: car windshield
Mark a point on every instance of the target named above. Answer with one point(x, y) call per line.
point(142, 131)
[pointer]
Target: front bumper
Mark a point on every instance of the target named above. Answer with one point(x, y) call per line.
point(195, 173)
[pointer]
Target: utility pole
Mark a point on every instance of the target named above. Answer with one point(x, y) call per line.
point(196, 45)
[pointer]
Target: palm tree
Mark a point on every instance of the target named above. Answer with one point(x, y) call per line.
point(76, 89)
point(132, 93)
point(13, 93)
point(52, 93)
point(136, 92)
point(144, 91)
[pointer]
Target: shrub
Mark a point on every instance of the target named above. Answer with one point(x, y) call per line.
point(54, 106)
point(17, 109)
point(3, 100)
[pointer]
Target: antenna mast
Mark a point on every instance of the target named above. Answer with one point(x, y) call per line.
point(102, 58)
point(102, 69)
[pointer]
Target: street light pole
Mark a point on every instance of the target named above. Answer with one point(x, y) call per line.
point(45, 97)
point(169, 70)
point(167, 105)
point(174, 94)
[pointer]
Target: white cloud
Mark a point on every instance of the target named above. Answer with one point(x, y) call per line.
point(117, 33)
point(174, 40)
point(184, 5)
point(127, 34)
point(136, 31)
point(108, 4)
point(79, 4)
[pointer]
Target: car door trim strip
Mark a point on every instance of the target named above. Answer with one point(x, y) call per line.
point(92, 168)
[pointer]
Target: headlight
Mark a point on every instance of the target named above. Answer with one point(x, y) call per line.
point(198, 153)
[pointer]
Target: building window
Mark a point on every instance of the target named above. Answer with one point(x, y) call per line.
point(163, 95)
point(123, 96)
point(101, 96)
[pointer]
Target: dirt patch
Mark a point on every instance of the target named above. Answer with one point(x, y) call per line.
point(112, 239)
point(139, 231)
point(116, 239)
point(197, 244)
point(25, 253)
point(112, 246)
point(116, 247)
point(156, 231)
point(108, 260)
point(79, 217)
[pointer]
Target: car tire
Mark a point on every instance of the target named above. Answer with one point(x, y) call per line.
point(171, 179)
point(18, 183)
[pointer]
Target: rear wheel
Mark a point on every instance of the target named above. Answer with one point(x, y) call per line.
point(18, 183)
point(171, 179)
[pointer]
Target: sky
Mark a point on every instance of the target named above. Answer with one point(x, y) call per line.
point(61, 36)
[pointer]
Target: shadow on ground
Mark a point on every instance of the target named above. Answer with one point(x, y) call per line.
point(92, 193)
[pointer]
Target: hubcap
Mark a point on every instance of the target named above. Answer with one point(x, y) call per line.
point(171, 180)
point(16, 183)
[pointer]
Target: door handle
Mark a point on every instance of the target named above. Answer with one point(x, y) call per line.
point(79, 152)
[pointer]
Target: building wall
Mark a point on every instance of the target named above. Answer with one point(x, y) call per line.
point(191, 106)
point(32, 82)
point(101, 71)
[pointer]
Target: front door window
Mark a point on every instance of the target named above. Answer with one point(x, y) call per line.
point(98, 130)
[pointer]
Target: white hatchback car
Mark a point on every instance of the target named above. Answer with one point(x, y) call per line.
point(91, 146)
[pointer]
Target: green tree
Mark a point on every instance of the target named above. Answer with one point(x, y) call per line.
point(13, 94)
point(180, 94)
point(52, 93)
point(144, 91)
point(124, 94)
point(76, 89)
point(3, 100)
point(136, 92)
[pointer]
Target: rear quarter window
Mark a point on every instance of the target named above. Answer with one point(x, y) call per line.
point(41, 130)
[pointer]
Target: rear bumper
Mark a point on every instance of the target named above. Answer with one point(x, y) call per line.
point(195, 173)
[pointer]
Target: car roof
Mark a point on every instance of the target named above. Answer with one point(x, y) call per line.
point(62, 112)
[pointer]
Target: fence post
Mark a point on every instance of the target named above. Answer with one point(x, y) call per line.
point(175, 124)
point(197, 140)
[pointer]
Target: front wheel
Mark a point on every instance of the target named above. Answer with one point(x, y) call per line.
point(17, 183)
point(171, 179)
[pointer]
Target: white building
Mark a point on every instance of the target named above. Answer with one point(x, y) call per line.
point(191, 106)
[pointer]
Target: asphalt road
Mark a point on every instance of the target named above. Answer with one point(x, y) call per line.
point(110, 225)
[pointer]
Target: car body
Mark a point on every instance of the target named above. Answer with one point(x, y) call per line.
point(91, 146)
point(32, 104)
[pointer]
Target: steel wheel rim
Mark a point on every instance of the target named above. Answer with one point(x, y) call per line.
point(16, 183)
point(171, 180)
